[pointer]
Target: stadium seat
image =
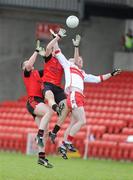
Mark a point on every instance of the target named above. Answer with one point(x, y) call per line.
point(127, 131)
point(108, 108)
point(125, 151)
point(114, 137)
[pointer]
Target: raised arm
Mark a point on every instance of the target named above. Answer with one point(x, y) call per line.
point(28, 64)
point(54, 41)
point(76, 43)
point(97, 79)
point(62, 59)
point(54, 45)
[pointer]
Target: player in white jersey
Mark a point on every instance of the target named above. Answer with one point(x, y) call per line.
point(74, 87)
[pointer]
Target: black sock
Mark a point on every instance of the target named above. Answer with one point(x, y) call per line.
point(54, 107)
point(40, 132)
point(56, 129)
point(41, 155)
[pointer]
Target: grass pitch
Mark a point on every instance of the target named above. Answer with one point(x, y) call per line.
point(15, 166)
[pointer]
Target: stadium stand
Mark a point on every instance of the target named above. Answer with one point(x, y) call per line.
point(109, 115)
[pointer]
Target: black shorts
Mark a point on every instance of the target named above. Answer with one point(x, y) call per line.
point(32, 102)
point(58, 92)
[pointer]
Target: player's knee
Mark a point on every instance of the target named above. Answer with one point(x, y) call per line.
point(83, 122)
point(49, 112)
point(46, 134)
point(49, 95)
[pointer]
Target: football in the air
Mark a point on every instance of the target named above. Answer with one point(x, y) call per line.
point(72, 21)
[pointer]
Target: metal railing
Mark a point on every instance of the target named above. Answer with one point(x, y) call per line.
point(68, 5)
point(117, 2)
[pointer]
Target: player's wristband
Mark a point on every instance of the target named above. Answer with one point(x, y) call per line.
point(59, 35)
point(76, 46)
point(37, 50)
point(53, 36)
point(112, 74)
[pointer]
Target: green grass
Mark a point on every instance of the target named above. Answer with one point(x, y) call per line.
point(15, 166)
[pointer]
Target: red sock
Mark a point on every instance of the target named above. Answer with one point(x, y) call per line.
point(70, 138)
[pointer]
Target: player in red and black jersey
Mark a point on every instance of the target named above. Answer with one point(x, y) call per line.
point(35, 104)
point(52, 79)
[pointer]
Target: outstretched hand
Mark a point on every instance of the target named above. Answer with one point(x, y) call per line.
point(76, 41)
point(116, 71)
point(62, 33)
point(40, 49)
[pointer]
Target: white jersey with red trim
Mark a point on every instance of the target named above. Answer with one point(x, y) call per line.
point(74, 76)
